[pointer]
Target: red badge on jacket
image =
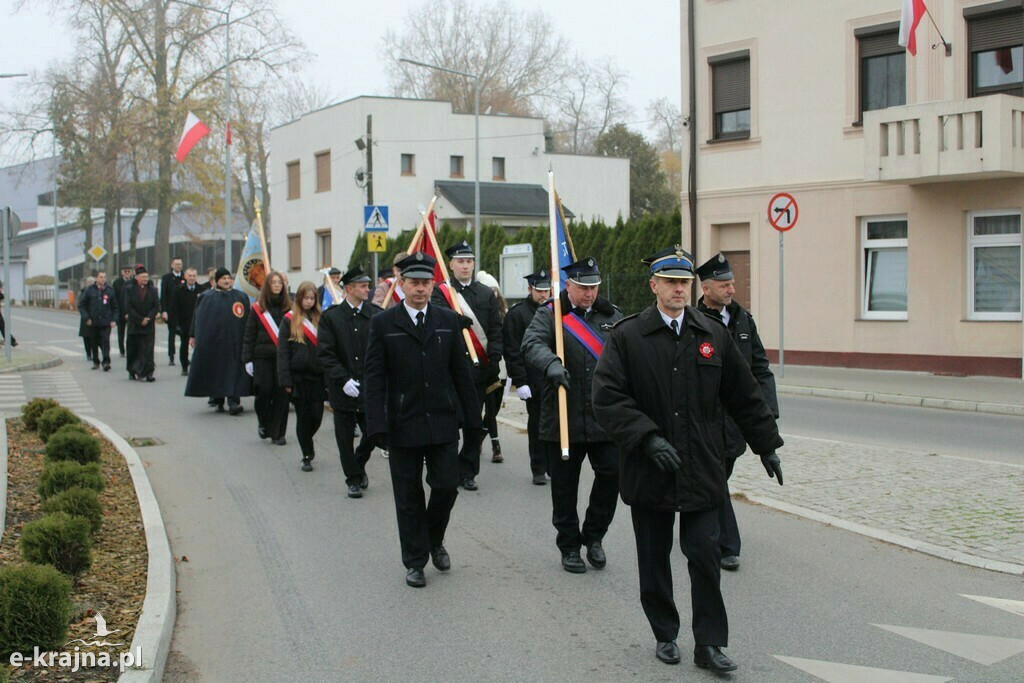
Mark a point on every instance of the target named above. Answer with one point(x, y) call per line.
point(707, 350)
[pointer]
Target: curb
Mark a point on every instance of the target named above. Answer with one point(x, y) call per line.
point(887, 537)
point(3, 476)
point(156, 623)
point(41, 365)
point(904, 400)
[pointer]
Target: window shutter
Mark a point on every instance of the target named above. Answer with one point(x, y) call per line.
point(293, 180)
point(323, 172)
point(731, 85)
point(879, 44)
point(294, 252)
point(993, 31)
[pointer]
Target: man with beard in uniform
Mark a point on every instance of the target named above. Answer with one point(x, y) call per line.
point(481, 314)
point(719, 287)
point(586, 319)
point(416, 370)
point(168, 285)
point(142, 306)
point(344, 333)
point(218, 330)
point(661, 385)
point(528, 380)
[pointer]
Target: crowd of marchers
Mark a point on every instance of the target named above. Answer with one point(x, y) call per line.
point(661, 403)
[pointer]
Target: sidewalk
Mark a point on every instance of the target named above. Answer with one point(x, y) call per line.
point(26, 360)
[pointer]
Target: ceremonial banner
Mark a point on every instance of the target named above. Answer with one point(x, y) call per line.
point(252, 269)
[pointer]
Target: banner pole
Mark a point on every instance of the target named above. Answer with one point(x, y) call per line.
point(554, 211)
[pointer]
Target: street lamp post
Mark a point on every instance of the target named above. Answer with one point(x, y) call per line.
point(476, 144)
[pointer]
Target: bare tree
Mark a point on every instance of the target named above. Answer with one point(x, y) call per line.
point(591, 100)
point(667, 125)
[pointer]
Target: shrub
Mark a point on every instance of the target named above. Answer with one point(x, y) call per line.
point(65, 474)
point(31, 411)
point(77, 502)
point(35, 607)
point(76, 427)
point(53, 419)
point(60, 540)
point(70, 444)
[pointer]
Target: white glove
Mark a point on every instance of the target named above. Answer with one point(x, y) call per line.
point(351, 388)
point(248, 368)
point(524, 392)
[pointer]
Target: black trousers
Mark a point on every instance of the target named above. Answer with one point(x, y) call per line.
point(100, 343)
point(698, 537)
point(309, 414)
point(538, 459)
point(353, 460)
point(565, 483)
point(87, 343)
point(3, 330)
point(172, 333)
point(140, 352)
point(121, 324)
point(271, 402)
point(422, 524)
point(729, 531)
point(469, 454)
point(219, 401)
point(492, 406)
point(183, 346)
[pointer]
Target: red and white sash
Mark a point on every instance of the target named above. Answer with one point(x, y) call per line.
point(398, 296)
point(480, 348)
point(307, 328)
point(267, 321)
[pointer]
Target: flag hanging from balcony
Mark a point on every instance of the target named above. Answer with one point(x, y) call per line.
point(195, 130)
point(913, 12)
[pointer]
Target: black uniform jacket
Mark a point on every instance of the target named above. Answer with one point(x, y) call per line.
point(744, 332)
point(139, 306)
point(539, 351)
point(513, 328)
point(297, 362)
point(257, 342)
point(344, 335)
point(168, 284)
point(183, 306)
point(218, 326)
point(485, 307)
point(650, 380)
point(120, 286)
point(412, 385)
point(99, 306)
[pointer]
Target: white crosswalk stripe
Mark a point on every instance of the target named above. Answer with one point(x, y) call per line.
point(986, 650)
point(12, 393)
point(58, 385)
point(60, 351)
point(1012, 606)
point(848, 673)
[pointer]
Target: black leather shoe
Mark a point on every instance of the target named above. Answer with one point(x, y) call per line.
point(414, 577)
point(572, 562)
point(171, 362)
point(307, 466)
point(540, 480)
point(596, 556)
point(667, 652)
point(711, 657)
point(132, 375)
point(236, 410)
point(439, 556)
point(220, 407)
point(262, 432)
point(469, 484)
point(106, 368)
point(184, 372)
point(730, 563)
point(95, 366)
point(151, 378)
point(280, 441)
point(354, 491)
point(364, 482)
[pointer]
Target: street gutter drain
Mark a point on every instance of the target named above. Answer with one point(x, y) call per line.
point(143, 441)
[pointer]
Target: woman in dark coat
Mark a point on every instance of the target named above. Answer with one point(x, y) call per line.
point(259, 353)
point(299, 371)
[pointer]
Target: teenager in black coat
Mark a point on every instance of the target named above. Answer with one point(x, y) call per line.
point(298, 368)
point(259, 353)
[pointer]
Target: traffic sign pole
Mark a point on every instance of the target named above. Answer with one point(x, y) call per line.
point(6, 212)
point(783, 212)
point(782, 307)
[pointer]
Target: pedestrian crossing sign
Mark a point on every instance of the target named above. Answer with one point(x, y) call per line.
point(376, 242)
point(375, 218)
point(97, 253)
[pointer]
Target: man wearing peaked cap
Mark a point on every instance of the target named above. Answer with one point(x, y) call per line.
point(587, 318)
point(481, 315)
point(662, 386)
point(528, 380)
point(719, 287)
point(415, 378)
point(344, 334)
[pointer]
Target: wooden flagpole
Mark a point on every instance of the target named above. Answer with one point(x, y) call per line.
point(413, 246)
point(563, 397)
point(263, 238)
point(455, 300)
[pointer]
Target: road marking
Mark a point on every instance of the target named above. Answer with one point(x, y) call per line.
point(1013, 606)
point(834, 672)
point(59, 385)
point(21, 319)
point(986, 650)
point(59, 351)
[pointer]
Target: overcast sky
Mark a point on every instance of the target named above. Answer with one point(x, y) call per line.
point(345, 38)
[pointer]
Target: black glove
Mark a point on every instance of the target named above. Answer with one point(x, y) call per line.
point(773, 465)
point(662, 453)
point(465, 322)
point(557, 374)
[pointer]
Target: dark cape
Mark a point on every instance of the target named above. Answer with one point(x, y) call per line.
point(216, 368)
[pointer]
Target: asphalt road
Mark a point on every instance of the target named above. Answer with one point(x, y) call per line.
point(287, 579)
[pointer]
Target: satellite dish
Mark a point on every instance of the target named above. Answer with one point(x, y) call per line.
point(360, 177)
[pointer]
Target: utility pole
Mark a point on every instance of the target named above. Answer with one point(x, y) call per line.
point(369, 182)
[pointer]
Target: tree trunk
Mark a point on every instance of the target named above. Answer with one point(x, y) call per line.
point(133, 235)
point(109, 216)
point(165, 136)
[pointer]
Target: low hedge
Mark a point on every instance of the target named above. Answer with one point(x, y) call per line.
point(60, 540)
point(77, 502)
point(53, 419)
point(31, 411)
point(65, 474)
point(35, 608)
point(72, 427)
point(69, 444)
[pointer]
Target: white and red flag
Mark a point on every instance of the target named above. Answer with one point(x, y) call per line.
point(913, 12)
point(195, 130)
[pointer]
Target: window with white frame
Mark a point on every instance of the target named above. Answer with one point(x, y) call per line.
point(884, 268)
point(994, 265)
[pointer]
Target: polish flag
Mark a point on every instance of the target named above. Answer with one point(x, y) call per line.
point(195, 130)
point(913, 12)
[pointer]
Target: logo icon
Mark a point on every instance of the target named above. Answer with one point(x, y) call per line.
point(101, 632)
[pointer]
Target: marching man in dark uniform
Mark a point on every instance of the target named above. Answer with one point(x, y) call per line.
point(719, 287)
point(344, 334)
point(416, 367)
point(218, 330)
point(481, 314)
point(142, 305)
point(661, 385)
point(587, 317)
point(182, 308)
point(126, 280)
point(168, 284)
point(528, 380)
point(99, 310)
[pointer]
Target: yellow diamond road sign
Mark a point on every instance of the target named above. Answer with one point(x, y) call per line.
point(97, 253)
point(376, 241)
